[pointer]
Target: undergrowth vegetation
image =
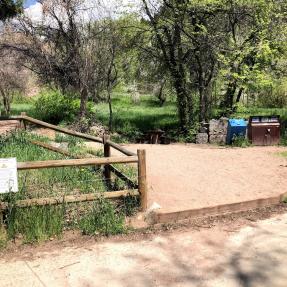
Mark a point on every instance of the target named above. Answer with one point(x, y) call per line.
point(38, 223)
point(240, 141)
point(131, 120)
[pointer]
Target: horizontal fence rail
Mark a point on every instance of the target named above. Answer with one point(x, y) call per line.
point(62, 130)
point(75, 162)
point(107, 161)
point(70, 198)
point(120, 148)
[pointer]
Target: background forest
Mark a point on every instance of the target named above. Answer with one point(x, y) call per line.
point(169, 64)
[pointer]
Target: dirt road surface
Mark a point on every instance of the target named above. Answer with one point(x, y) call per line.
point(225, 255)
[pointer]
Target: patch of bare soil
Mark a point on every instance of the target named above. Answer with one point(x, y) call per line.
point(50, 134)
point(8, 126)
point(188, 176)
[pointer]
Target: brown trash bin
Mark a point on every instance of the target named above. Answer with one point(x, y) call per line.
point(264, 130)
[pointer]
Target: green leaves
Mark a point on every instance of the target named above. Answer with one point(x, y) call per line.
point(9, 9)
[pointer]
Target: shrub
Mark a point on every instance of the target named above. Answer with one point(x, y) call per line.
point(53, 106)
point(240, 141)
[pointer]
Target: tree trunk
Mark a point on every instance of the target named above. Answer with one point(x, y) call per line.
point(239, 95)
point(6, 102)
point(110, 110)
point(184, 103)
point(83, 105)
point(161, 95)
point(229, 96)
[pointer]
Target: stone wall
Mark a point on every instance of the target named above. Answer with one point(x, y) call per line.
point(218, 131)
point(214, 132)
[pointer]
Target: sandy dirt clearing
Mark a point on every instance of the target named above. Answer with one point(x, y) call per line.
point(187, 176)
point(225, 255)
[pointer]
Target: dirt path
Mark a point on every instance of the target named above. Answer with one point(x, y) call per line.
point(8, 126)
point(225, 255)
point(190, 176)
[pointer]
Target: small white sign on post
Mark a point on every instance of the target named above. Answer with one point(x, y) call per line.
point(8, 175)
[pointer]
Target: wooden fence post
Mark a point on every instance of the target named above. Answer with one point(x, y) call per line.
point(107, 153)
point(22, 122)
point(142, 182)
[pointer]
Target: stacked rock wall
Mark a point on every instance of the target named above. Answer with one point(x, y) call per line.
point(218, 131)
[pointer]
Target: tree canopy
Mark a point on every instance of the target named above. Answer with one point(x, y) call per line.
point(9, 9)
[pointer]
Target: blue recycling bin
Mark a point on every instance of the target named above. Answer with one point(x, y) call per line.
point(236, 127)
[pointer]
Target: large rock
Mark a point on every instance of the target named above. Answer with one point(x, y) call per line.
point(218, 126)
point(202, 138)
point(97, 130)
point(218, 131)
point(217, 139)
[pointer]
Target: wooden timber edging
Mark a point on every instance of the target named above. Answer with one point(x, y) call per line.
point(70, 198)
point(169, 217)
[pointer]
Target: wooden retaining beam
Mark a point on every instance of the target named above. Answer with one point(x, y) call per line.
point(70, 198)
point(75, 162)
point(218, 210)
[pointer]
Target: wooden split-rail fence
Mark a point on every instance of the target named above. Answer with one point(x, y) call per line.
point(139, 189)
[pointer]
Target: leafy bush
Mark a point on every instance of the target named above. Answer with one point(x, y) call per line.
point(52, 106)
point(240, 141)
point(102, 219)
point(275, 96)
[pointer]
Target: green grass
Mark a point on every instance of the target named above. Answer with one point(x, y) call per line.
point(17, 108)
point(38, 223)
point(47, 182)
point(240, 141)
point(132, 120)
point(102, 218)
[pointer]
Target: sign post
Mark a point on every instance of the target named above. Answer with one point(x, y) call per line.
point(8, 175)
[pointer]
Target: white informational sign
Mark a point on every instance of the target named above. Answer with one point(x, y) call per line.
point(8, 175)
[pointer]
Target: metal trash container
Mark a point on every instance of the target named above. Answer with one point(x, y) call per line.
point(264, 130)
point(236, 127)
